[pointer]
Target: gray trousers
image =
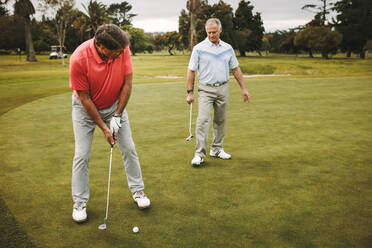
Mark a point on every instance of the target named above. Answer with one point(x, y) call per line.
point(83, 130)
point(216, 98)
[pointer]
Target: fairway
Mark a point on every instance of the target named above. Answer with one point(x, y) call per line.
point(300, 174)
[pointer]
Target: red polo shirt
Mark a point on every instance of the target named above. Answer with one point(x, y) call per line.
point(103, 79)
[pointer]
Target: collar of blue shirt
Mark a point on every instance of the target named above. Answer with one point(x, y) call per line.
point(212, 44)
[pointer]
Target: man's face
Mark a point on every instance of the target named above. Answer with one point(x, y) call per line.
point(109, 54)
point(213, 32)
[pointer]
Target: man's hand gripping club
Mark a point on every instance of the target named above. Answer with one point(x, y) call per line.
point(90, 108)
point(115, 125)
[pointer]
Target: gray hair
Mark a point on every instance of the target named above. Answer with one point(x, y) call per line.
point(213, 21)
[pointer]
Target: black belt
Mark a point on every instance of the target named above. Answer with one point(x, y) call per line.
point(217, 84)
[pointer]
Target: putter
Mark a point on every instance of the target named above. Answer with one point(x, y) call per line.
point(103, 226)
point(190, 136)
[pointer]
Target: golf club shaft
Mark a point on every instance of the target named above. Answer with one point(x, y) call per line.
point(108, 187)
point(190, 118)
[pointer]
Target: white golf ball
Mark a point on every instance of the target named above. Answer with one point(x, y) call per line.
point(135, 229)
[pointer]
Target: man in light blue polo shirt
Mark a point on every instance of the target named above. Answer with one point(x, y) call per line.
point(213, 59)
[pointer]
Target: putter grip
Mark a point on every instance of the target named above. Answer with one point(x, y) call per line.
point(112, 145)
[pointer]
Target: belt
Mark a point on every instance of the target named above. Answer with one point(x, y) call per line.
point(217, 84)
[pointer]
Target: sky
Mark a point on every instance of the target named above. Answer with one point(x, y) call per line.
point(162, 15)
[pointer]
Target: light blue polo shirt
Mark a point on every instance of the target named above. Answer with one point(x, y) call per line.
point(213, 62)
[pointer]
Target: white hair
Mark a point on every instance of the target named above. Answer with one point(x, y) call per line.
point(213, 21)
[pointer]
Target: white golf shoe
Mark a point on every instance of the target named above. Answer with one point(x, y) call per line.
point(79, 213)
point(141, 199)
point(197, 160)
point(220, 154)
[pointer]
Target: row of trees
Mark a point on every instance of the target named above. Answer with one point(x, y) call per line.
point(242, 29)
point(60, 20)
point(349, 30)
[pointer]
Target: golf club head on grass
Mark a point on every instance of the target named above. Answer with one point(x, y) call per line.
point(189, 138)
point(102, 227)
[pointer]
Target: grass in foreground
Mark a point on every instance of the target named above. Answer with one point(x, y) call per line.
point(300, 174)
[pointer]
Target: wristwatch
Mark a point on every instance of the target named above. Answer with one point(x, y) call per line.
point(117, 115)
point(188, 91)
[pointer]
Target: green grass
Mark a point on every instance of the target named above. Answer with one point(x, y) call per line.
point(22, 82)
point(300, 175)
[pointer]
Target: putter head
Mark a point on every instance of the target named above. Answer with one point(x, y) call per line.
point(102, 227)
point(189, 138)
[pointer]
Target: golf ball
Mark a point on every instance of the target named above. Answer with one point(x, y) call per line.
point(135, 229)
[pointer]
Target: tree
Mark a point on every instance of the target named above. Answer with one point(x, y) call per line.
point(171, 40)
point(81, 23)
point(139, 41)
point(192, 6)
point(249, 28)
point(296, 47)
point(224, 12)
point(119, 13)
point(248, 37)
point(266, 45)
point(12, 32)
point(354, 21)
point(44, 34)
point(63, 18)
point(323, 9)
point(184, 29)
point(25, 9)
point(96, 15)
point(321, 39)
point(3, 10)
point(368, 46)
point(277, 38)
point(221, 10)
point(159, 41)
point(241, 37)
point(289, 46)
point(204, 12)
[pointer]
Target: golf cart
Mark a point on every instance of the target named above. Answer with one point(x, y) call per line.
point(55, 54)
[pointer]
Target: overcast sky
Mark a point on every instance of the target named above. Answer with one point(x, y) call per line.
point(162, 15)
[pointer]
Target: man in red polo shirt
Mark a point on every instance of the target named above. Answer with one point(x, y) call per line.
point(101, 79)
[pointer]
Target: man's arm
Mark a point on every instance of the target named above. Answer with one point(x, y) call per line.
point(92, 111)
point(239, 78)
point(190, 86)
point(125, 93)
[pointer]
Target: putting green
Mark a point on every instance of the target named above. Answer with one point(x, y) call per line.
point(300, 174)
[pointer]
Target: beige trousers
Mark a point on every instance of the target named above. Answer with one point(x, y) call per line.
point(216, 97)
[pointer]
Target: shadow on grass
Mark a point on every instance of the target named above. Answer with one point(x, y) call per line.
point(11, 234)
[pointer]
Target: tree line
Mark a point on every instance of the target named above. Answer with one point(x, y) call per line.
point(349, 31)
